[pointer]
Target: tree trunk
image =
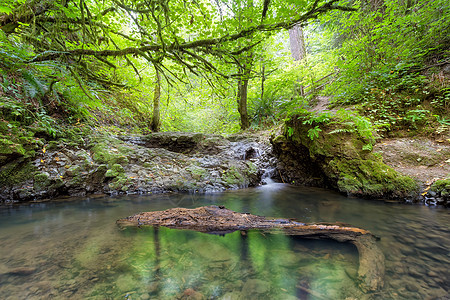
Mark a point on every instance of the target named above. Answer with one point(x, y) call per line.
point(263, 78)
point(242, 98)
point(156, 122)
point(297, 41)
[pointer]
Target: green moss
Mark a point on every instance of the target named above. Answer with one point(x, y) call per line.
point(115, 171)
point(8, 147)
point(16, 172)
point(119, 183)
point(345, 157)
point(197, 172)
point(41, 181)
point(252, 169)
point(441, 186)
point(73, 171)
point(232, 176)
point(52, 145)
point(120, 180)
point(107, 154)
point(369, 177)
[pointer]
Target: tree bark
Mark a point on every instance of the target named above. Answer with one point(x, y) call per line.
point(297, 42)
point(263, 78)
point(156, 121)
point(242, 97)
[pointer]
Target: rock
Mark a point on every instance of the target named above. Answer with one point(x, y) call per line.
point(191, 294)
point(337, 158)
point(232, 296)
point(21, 271)
point(254, 288)
point(160, 162)
point(412, 286)
point(144, 297)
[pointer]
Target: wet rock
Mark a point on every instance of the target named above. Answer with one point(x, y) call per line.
point(21, 271)
point(191, 294)
point(412, 286)
point(254, 288)
point(144, 297)
point(186, 162)
point(232, 296)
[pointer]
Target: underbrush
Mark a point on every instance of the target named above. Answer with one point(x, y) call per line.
point(402, 102)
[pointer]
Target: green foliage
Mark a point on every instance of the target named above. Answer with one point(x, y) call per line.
point(314, 132)
point(380, 53)
point(357, 123)
point(383, 52)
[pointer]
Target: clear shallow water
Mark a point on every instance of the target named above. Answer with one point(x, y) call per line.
point(74, 250)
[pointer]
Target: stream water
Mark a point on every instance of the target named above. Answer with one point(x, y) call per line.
point(72, 249)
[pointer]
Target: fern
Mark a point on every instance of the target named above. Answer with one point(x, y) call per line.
point(33, 86)
point(342, 130)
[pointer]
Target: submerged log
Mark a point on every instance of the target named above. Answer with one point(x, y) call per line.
point(219, 220)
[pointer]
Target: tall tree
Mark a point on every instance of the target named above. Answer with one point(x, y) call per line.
point(156, 121)
point(297, 42)
point(245, 70)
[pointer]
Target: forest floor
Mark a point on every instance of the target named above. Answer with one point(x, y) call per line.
point(423, 158)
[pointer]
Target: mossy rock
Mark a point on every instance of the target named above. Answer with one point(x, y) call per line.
point(370, 177)
point(252, 168)
point(197, 172)
point(16, 172)
point(109, 151)
point(442, 187)
point(232, 177)
point(345, 159)
point(73, 171)
point(9, 148)
point(115, 171)
point(105, 154)
point(41, 180)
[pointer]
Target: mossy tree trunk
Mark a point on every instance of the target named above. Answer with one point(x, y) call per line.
point(245, 70)
point(156, 121)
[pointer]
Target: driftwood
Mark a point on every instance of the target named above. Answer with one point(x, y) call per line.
point(219, 220)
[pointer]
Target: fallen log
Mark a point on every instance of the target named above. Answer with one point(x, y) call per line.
point(219, 220)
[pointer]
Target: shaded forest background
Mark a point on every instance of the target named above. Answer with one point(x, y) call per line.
point(221, 66)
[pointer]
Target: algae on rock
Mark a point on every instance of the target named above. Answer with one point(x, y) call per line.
point(337, 157)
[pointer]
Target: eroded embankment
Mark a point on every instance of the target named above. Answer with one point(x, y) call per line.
point(340, 158)
point(155, 163)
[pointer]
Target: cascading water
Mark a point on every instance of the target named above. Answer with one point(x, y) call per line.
point(266, 177)
point(261, 155)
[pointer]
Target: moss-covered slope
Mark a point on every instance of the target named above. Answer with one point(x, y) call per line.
point(336, 153)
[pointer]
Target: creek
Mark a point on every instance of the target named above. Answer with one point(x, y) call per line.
point(72, 249)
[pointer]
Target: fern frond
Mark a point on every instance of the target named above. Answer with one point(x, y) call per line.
point(32, 84)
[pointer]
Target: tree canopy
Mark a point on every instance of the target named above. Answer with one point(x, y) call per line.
point(191, 60)
point(193, 34)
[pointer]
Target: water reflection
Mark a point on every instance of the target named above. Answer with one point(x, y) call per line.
point(74, 250)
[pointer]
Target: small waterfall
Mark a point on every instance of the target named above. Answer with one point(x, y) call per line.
point(261, 155)
point(266, 177)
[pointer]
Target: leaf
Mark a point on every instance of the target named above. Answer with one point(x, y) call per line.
point(5, 9)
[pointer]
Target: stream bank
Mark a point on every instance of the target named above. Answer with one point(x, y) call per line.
point(340, 156)
point(154, 163)
point(36, 168)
